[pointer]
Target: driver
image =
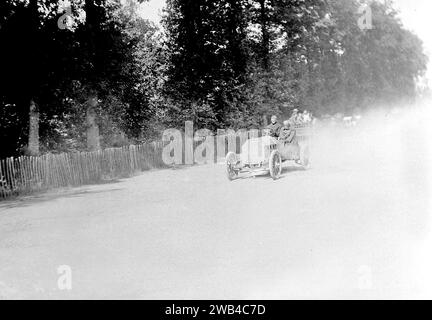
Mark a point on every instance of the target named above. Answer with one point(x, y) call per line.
point(295, 117)
point(274, 127)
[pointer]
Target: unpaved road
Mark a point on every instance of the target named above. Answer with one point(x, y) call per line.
point(357, 225)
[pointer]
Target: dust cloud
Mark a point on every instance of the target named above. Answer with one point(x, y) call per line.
point(387, 155)
point(357, 224)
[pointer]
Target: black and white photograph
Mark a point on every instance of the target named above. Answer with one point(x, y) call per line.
point(217, 150)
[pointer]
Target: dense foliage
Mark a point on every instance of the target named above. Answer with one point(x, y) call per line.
point(218, 63)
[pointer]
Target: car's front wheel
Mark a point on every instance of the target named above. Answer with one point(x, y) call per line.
point(230, 162)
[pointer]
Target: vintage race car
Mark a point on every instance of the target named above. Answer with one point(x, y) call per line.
point(263, 155)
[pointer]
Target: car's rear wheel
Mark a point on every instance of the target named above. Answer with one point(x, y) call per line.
point(305, 161)
point(275, 164)
point(230, 162)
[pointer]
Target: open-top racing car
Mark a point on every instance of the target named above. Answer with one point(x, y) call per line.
point(266, 154)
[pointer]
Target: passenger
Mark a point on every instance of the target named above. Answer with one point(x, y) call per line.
point(287, 133)
point(274, 127)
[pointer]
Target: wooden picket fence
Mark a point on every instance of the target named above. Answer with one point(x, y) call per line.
point(27, 174)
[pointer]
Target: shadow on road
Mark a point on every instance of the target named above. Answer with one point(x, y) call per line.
point(26, 201)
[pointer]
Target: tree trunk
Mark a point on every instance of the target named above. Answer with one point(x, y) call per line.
point(33, 140)
point(93, 141)
point(265, 43)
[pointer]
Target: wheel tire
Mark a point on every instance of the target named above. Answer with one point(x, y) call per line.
point(306, 158)
point(230, 162)
point(275, 164)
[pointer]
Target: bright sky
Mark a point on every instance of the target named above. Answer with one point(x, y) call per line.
point(416, 15)
point(152, 10)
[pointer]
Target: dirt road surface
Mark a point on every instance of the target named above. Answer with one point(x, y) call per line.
point(356, 225)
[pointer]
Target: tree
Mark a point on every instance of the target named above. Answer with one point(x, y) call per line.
point(218, 63)
point(92, 68)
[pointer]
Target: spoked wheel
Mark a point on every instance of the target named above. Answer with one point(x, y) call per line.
point(305, 161)
point(275, 164)
point(230, 162)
